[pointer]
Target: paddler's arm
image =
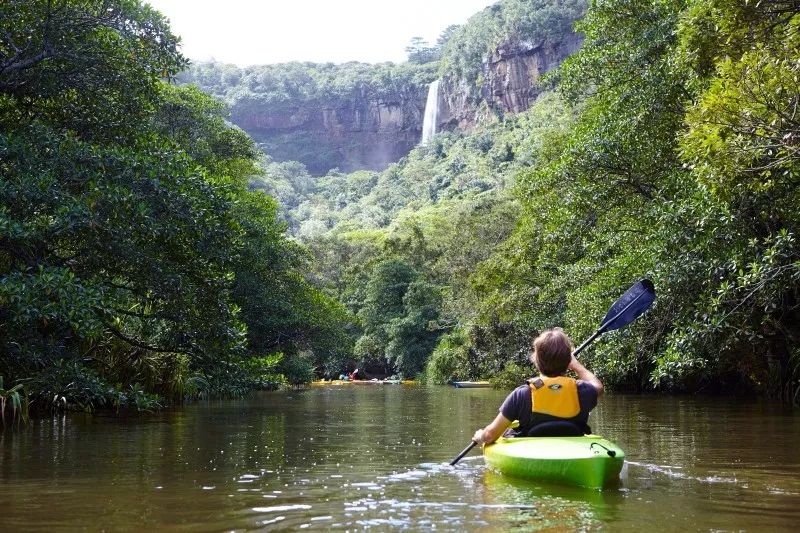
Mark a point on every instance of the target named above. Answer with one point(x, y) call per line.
point(586, 375)
point(493, 431)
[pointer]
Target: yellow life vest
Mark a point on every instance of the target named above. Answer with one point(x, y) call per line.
point(557, 397)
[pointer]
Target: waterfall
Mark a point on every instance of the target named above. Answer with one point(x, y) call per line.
point(431, 112)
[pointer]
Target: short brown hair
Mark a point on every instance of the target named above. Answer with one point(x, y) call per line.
point(552, 352)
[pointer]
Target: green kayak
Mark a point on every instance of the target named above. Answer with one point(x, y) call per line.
point(588, 461)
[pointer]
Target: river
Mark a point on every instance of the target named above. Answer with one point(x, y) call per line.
point(358, 457)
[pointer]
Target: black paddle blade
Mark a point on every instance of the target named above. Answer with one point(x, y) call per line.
point(630, 305)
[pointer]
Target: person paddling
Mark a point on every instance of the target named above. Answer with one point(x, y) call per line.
point(551, 404)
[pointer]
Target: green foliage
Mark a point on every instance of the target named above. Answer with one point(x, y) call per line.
point(17, 404)
point(265, 371)
point(135, 265)
point(791, 392)
point(72, 386)
point(678, 167)
point(413, 336)
point(383, 303)
point(419, 51)
point(399, 315)
point(298, 370)
point(446, 363)
point(292, 84)
point(503, 23)
point(511, 376)
point(71, 63)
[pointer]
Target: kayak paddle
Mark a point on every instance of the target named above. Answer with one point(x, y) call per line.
point(465, 451)
point(625, 310)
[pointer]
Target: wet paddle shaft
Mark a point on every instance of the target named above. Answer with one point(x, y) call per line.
point(625, 310)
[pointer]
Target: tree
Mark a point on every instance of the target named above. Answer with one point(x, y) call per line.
point(133, 258)
point(419, 51)
point(413, 335)
point(383, 302)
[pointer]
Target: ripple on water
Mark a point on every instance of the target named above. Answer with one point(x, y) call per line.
point(272, 521)
point(282, 508)
point(406, 476)
point(674, 472)
point(366, 484)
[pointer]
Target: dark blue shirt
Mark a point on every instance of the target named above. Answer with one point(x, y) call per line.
point(517, 405)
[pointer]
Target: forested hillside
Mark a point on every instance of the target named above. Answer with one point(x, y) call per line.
point(150, 251)
point(136, 268)
point(659, 152)
point(327, 116)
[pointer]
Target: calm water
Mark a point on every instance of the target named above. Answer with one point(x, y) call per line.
point(374, 457)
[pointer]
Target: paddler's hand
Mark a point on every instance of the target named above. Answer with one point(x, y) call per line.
point(491, 432)
point(585, 375)
point(574, 365)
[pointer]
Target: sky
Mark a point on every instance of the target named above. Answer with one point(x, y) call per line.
point(257, 32)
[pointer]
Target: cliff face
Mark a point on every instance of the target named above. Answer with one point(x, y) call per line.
point(363, 131)
point(511, 82)
point(514, 70)
point(358, 116)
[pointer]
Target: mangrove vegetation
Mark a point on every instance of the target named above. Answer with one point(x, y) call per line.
point(136, 267)
point(151, 251)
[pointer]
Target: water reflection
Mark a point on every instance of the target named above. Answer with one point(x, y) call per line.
point(374, 457)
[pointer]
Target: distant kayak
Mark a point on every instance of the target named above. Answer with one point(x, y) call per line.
point(378, 382)
point(471, 384)
point(588, 461)
point(365, 382)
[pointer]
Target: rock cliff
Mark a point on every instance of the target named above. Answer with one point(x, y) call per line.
point(511, 78)
point(359, 116)
point(360, 131)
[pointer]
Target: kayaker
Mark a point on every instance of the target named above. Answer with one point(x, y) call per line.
point(551, 404)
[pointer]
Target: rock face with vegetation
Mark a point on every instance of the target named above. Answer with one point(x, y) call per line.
point(356, 116)
point(511, 80)
point(494, 64)
point(365, 130)
point(513, 72)
point(352, 116)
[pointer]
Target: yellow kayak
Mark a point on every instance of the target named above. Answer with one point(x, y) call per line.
point(322, 382)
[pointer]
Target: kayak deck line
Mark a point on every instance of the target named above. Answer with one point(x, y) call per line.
point(589, 461)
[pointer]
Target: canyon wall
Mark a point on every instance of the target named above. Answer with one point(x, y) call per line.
point(511, 81)
point(362, 131)
point(359, 116)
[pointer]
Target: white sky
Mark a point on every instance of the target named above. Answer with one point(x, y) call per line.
point(254, 32)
